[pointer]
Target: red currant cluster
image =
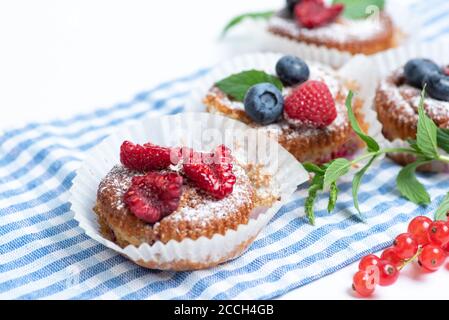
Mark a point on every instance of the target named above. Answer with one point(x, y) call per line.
point(425, 240)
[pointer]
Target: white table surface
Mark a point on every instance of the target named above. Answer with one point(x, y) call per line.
point(59, 58)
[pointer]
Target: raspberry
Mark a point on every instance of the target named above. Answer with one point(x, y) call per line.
point(154, 195)
point(311, 104)
point(144, 158)
point(314, 13)
point(212, 172)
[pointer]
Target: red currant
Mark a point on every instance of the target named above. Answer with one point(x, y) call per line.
point(389, 274)
point(439, 233)
point(369, 264)
point(390, 255)
point(364, 284)
point(419, 227)
point(405, 246)
point(446, 249)
point(432, 257)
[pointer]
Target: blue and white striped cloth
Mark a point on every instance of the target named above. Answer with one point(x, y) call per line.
point(43, 253)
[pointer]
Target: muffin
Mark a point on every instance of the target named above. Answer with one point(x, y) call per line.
point(160, 195)
point(308, 118)
point(397, 101)
point(313, 22)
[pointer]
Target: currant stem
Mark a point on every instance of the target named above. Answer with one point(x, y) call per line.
point(407, 262)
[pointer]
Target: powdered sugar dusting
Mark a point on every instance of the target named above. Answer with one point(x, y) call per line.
point(118, 180)
point(195, 206)
point(204, 208)
point(341, 31)
point(406, 98)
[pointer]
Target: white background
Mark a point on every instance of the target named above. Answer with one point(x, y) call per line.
point(59, 58)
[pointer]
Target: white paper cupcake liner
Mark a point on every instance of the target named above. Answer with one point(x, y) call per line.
point(358, 69)
point(192, 130)
point(388, 61)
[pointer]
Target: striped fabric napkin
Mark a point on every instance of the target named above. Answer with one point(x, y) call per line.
point(43, 253)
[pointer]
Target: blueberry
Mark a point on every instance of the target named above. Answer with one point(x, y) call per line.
point(437, 86)
point(292, 70)
point(264, 103)
point(417, 69)
point(291, 5)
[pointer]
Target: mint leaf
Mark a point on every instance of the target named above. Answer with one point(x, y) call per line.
point(333, 195)
point(359, 9)
point(315, 187)
point(356, 181)
point(426, 137)
point(372, 145)
point(238, 84)
point(337, 168)
point(443, 209)
point(409, 186)
point(251, 15)
point(313, 168)
point(443, 139)
point(414, 145)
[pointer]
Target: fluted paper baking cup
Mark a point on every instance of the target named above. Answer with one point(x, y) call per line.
point(390, 60)
point(359, 70)
point(200, 131)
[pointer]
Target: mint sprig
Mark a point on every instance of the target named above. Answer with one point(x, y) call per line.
point(371, 144)
point(265, 15)
point(237, 85)
point(429, 139)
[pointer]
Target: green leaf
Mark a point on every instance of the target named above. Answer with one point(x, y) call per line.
point(356, 181)
point(443, 139)
point(313, 168)
point(238, 84)
point(414, 145)
point(333, 195)
point(409, 186)
point(443, 209)
point(251, 15)
point(337, 168)
point(359, 9)
point(315, 186)
point(426, 137)
point(372, 145)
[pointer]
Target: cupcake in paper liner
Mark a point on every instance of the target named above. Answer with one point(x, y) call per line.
point(312, 120)
point(365, 29)
point(405, 71)
point(183, 192)
point(345, 28)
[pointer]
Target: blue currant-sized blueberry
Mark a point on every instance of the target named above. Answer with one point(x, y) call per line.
point(292, 70)
point(417, 69)
point(264, 103)
point(437, 86)
point(291, 5)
